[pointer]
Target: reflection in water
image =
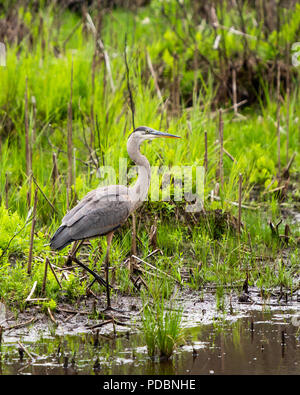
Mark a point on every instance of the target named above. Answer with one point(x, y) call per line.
point(259, 344)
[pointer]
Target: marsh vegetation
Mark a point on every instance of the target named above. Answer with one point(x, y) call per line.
point(78, 77)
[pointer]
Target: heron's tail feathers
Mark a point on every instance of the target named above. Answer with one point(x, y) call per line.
point(61, 238)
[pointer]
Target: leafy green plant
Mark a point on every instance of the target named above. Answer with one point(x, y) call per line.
point(161, 327)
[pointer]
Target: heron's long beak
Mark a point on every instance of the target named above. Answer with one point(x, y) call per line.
point(157, 133)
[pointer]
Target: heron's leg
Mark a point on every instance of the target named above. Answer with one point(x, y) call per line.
point(106, 267)
point(72, 258)
point(75, 248)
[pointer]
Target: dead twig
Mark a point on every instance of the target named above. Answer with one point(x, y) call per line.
point(155, 268)
point(128, 83)
point(54, 274)
point(45, 277)
point(32, 232)
point(51, 316)
point(21, 324)
point(40, 189)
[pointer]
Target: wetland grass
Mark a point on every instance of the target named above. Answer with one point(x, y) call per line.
point(209, 249)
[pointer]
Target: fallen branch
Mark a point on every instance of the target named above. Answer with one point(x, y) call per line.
point(48, 201)
point(54, 274)
point(51, 315)
point(21, 324)
point(60, 309)
point(155, 268)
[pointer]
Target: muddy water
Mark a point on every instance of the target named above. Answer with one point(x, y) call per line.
point(256, 343)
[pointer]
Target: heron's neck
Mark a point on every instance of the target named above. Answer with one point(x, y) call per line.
point(139, 191)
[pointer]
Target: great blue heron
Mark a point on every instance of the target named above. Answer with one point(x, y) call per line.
point(105, 209)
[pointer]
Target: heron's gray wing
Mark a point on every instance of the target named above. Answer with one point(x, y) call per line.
point(108, 216)
point(98, 213)
point(95, 199)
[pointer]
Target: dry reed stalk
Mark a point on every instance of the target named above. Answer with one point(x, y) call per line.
point(107, 64)
point(33, 136)
point(133, 243)
point(54, 170)
point(240, 203)
point(176, 86)
point(26, 129)
point(45, 276)
point(70, 138)
point(132, 107)
point(6, 191)
point(40, 189)
point(278, 118)
point(205, 164)
point(27, 145)
point(54, 274)
point(32, 232)
point(74, 171)
point(234, 91)
point(92, 137)
point(149, 62)
point(287, 106)
point(221, 170)
point(195, 66)
point(67, 192)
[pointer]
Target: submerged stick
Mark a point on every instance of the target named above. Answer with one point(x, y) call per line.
point(32, 232)
point(26, 351)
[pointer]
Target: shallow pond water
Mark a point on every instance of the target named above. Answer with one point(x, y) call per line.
point(257, 343)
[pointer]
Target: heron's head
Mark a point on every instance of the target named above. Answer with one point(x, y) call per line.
point(143, 133)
